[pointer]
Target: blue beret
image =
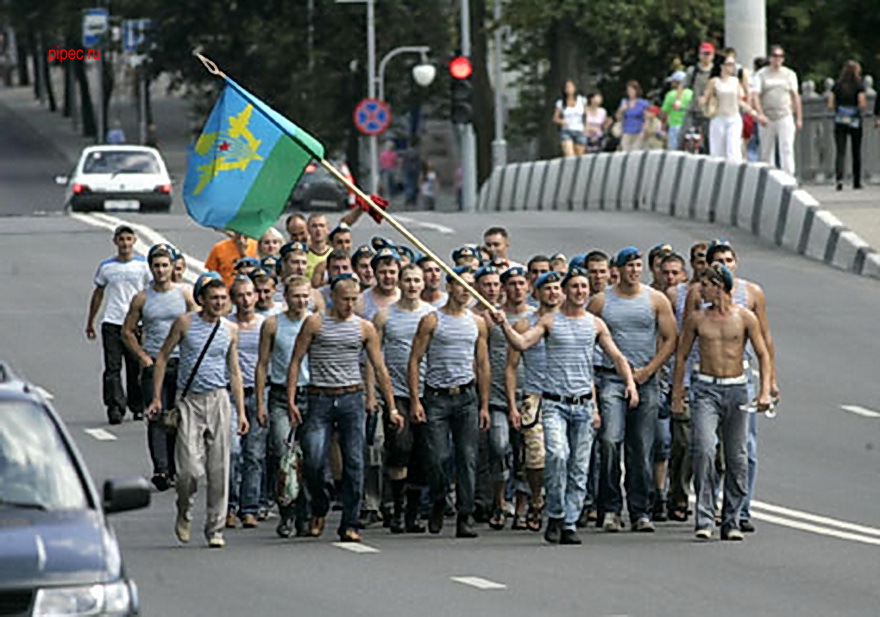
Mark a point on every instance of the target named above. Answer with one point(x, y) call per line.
point(548, 277)
point(459, 270)
point(203, 280)
point(510, 272)
point(573, 272)
point(626, 255)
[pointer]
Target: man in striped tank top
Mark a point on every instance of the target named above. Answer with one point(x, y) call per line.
point(432, 294)
point(454, 342)
point(333, 343)
point(360, 263)
point(404, 450)
point(538, 265)
point(719, 390)
point(277, 337)
point(502, 413)
point(156, 308)
point(202, 446)
point(643, 327)
point(527, 418)
point(679, 470)
point(487, 281)
point(567, 410)
point(751, 296)
point(293, 262)
point(386, 268)
point(265, 285)
point(248, 453)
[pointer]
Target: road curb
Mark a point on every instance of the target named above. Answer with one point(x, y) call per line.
point(750, 196)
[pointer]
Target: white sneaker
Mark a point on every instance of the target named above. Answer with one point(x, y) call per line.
point(612, 524)
point(182, 529)
point(703, 534)
point(216, 540)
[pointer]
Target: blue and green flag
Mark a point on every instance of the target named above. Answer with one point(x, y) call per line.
point(245, 164)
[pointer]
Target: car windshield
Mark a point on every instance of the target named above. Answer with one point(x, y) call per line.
point(121, 162)
point(36, 470)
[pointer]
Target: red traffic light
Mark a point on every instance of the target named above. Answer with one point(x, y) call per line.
point(460, 67)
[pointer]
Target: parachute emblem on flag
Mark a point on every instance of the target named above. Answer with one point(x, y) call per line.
point(236, 148)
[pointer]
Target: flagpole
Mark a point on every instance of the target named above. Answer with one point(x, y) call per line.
point(215, 70)
point(406, 233)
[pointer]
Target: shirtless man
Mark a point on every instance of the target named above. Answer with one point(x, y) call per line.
point(718, 391)
point(750, 296)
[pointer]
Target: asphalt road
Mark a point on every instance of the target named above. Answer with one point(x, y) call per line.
point(816, 459)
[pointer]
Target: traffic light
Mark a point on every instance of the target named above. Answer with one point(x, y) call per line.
point(460, 70)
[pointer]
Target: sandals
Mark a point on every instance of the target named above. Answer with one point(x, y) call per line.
point(498, 520)
point(678, 514)
point(534, 520)
point(350, 535)
point(520, 522)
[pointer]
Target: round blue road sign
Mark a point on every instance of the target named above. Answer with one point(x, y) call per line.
point(372, 116)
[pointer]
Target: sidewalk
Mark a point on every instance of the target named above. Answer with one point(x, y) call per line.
point(858, 210)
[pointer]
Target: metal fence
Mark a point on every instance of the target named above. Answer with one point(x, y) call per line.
point(814, 145)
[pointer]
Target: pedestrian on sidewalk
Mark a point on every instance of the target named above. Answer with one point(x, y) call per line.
point(208, 365)
point(429, 186)
point(570, 115)
point(631, 115)
point(597, 122)
point(388, 163)
point(674, 108)
point(778, 104)
point(848, 102)
point(726, 97)
point(116, 136)
point(411, 168)
point(118, 279)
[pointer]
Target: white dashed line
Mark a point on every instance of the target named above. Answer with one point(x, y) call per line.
point(355, 547)
point(479, 583)
point(861, 411)
point(442, 229)
point(100, 434)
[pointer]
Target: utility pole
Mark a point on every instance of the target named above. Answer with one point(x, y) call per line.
point(499, 145)
point(371, 92)
point(745, 29)
point(468, 139)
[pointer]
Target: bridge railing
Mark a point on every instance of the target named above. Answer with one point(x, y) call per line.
point(750, 196)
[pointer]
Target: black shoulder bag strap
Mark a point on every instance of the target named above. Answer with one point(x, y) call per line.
point(201, 357)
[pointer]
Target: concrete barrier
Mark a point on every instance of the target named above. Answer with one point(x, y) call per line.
point(749, 196)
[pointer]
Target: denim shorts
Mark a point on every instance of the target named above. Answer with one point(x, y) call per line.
point(577, 137)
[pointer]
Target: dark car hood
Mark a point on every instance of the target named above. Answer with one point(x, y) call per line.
point(55, 548)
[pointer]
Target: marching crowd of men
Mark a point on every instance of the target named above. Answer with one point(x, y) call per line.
point(412, 401)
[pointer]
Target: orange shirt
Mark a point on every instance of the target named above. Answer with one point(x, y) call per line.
point(225, 254)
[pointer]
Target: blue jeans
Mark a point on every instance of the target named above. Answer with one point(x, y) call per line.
point(633, 428)
point(346, 412)
point(499, 444)
point(457, 414)
point(713, 406)
point(673, 133)
point(277, 434)
point(663, 431)
point(568, 437)
point(752, 449)
point(252, 461)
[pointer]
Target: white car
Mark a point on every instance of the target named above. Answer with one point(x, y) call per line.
point(118, 178)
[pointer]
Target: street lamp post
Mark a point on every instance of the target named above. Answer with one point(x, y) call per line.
point(408, 49)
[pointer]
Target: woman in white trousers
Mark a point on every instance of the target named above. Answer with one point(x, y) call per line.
point(728, 96)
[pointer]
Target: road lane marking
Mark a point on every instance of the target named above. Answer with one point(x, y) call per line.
point(825, 531)
point(356, 547)
point(861, 411)
point(100, 434)
point(442, 229)
point(814, 518)
point(99, 219)
point(479, 583)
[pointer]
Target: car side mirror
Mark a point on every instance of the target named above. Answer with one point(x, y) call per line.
point(123, 494)
point(62, 180)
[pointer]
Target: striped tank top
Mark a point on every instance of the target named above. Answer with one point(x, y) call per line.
point(249, 350)
point(633, 325)
point(534, 361)
point(498, 360)
point(158, 315)
point(569, 351)
point(740, 297)
point(694, 356)
point(335, 352)
point(370, 306)
point(450, 357)
point(282, 352)
point(213, 372)
point(397, 338)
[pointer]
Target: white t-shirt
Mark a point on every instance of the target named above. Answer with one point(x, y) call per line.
point(121, 281)
point(573, 117)
point(429, 185)
point(775, 88)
